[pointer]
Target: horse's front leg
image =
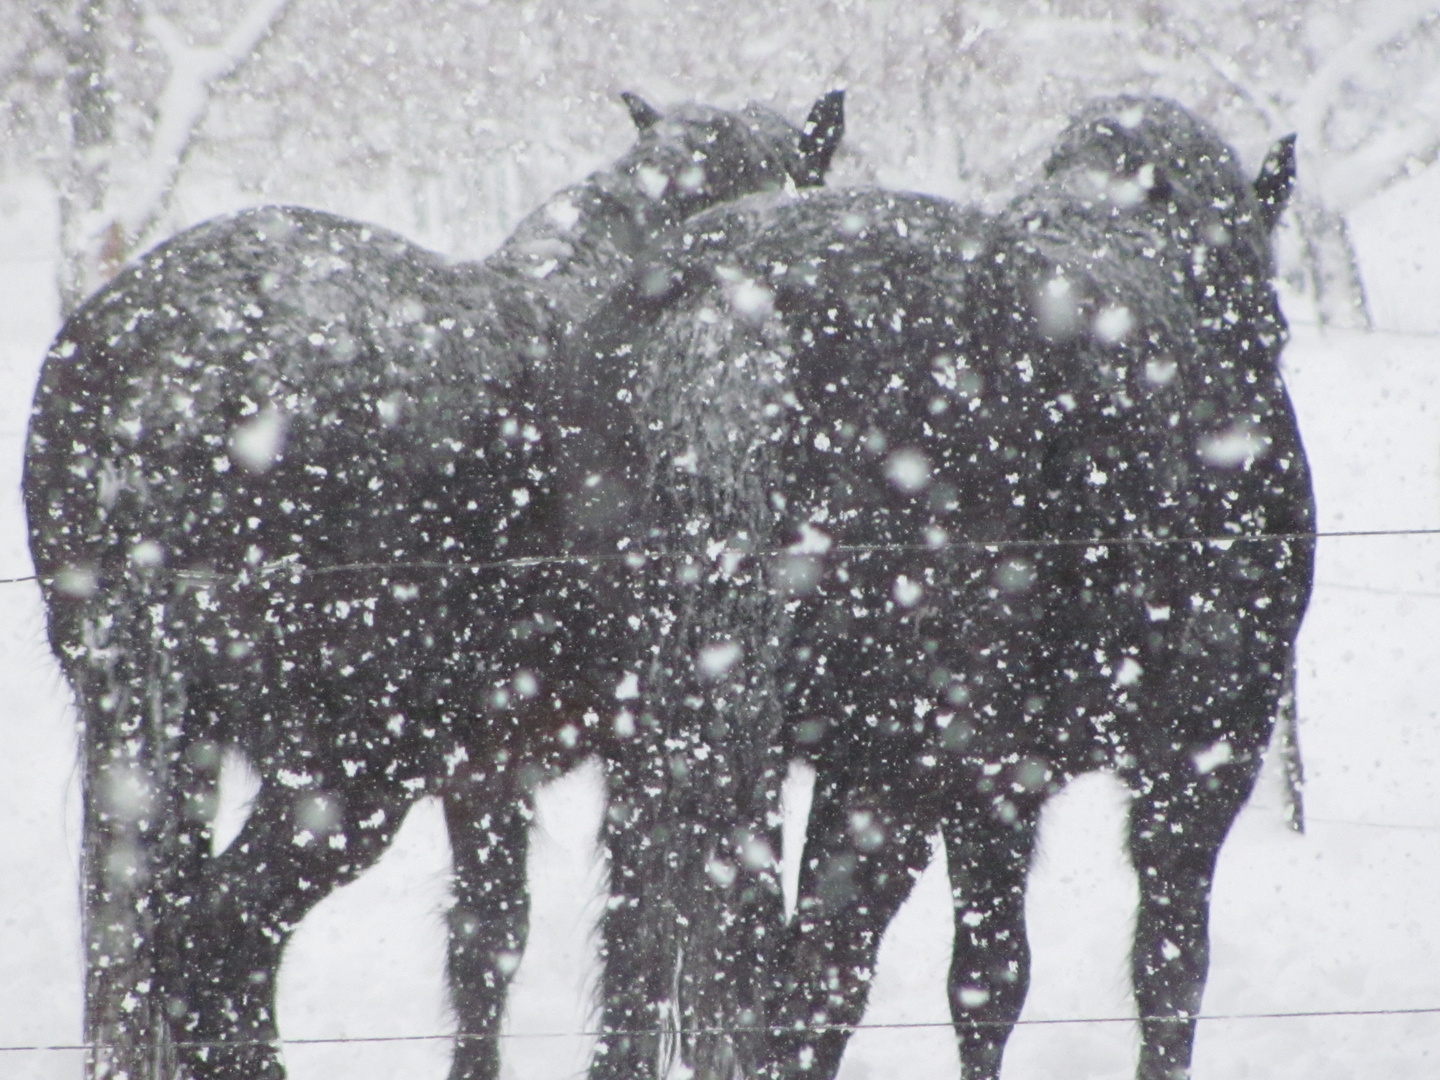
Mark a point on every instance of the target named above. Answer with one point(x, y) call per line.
point(988, 844)
point(296, 847)
point(1178, 821)
point(489, 828)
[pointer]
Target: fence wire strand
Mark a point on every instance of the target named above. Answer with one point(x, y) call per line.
point(914, 1025)
point(637, 559)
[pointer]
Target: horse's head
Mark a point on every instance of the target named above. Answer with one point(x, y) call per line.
point(694, 156)
point(1149, 164)
point(1151, 152)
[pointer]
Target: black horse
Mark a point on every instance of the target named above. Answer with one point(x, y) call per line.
point(961, 507)
point(286, 479)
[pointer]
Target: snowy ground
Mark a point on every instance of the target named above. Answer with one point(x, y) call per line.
point(1343, 919)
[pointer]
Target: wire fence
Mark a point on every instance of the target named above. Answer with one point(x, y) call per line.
point(637, 559)
point(916, 1025)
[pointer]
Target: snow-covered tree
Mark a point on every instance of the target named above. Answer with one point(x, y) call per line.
point(1359, 81)
point(448, 119)
point(132, 84)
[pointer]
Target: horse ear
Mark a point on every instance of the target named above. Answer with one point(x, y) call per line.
point(1277, 177)
point(642, 112)
point(820, 136)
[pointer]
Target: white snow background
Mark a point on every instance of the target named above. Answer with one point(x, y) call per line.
point(1343, 919)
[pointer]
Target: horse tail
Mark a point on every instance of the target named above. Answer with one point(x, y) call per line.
point(709, 802)
point(693, 839)
point(147, 792)
point(726, 810)
point(1287, 742)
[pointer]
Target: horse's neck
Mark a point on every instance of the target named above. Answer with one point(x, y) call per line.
point(581, 243)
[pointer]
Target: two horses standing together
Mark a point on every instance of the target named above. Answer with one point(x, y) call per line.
point(955, 506)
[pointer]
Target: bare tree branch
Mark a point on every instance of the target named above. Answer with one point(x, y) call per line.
point(1225, 68)
point(182, 105)
point(1313, 106)
point(1414, 135)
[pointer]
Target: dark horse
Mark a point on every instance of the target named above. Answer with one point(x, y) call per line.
point(283, 478)
point(973, 505)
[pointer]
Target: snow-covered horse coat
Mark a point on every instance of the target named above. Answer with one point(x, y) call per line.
point(282, 479)
point(960, 507)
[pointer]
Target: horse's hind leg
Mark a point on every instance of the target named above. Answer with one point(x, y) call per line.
point(864, 848)
point(988, 843)
point(1178, 821)
point(297, 845)
point(489, 835)
point(637, 999)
